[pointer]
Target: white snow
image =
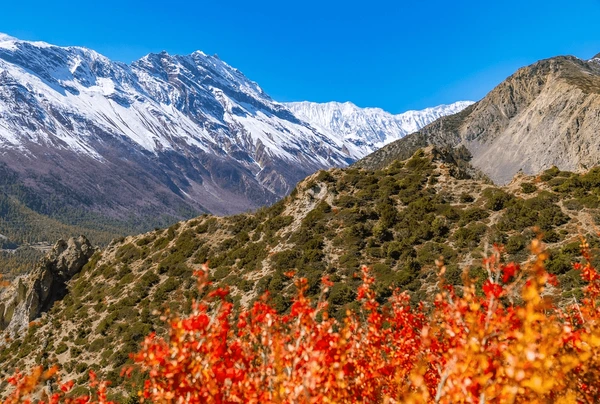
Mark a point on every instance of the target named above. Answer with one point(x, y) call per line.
point(7, 41)
point(364, 130)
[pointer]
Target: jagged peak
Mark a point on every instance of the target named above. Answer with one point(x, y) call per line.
point(458, 104)
point(198, 57)
point(10, 42)
point(155, 55)
point(350, 106)
point(199, 53)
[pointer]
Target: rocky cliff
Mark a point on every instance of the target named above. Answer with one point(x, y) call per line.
point(31, 295)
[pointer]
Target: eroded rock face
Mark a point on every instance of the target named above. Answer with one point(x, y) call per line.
point(544, 115)
point(31, 295)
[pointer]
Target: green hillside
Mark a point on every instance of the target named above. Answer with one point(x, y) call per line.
point(398, 220)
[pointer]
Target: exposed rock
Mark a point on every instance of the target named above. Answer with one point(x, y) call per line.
point(544, 115)
point(31, 295)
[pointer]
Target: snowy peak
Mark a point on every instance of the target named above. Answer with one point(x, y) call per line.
point(200, 67)
point(159, 102)
point(9, 42)
point(194, 127)
point(365, 130)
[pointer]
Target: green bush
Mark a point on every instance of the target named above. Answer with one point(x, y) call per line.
point(514, 244)
point(61, 348)
point(561, 261)
point(550, 173)
point(431, 251)
point(528, 188)
point(469, 236)
point(466, 198)
point(285, 259)
point(341, 294)
point(472, 215)
point(497, 199)
point(573, 204)
point(128, 253)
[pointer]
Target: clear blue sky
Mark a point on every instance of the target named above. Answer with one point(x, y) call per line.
point(397, 55)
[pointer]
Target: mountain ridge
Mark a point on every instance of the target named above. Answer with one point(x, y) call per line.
point(543, 115)
point(165, 135)
point(159, 108)
point(364, 130)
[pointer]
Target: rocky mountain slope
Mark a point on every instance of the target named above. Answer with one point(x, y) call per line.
point(364, 130)
point(166, 133)
point(545, 114)
point(398, 220)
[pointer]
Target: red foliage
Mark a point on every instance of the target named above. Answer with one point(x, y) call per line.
point(26, 387)
point(465, 349)
point(509, 344)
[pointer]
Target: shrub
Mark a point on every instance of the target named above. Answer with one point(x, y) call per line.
point(472, 215)
point(514, 244)
point(430, 252)
point(573, 204)
point(466, 198)
point(285, 259)
point(61, 348)
point(128, 253)
point(550, 173)
point(469, 236)
point(341, 294)
point(528, 188)
point(390, 348)
point(496, 198)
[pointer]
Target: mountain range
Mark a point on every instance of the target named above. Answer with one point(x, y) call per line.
point(364, 130)
point(166, 136)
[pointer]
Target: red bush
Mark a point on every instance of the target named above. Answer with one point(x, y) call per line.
point(510, 343)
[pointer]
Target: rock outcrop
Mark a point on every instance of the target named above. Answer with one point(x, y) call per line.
point(31, 295)
point(544, 115)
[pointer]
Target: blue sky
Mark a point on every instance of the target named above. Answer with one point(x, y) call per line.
point(396, 55)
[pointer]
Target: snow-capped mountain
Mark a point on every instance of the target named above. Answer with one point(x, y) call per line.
point(166, 134)
point(183, 131)
point(364, 130)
